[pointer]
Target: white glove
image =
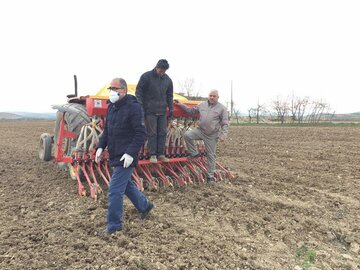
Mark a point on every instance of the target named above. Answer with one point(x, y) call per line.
point(127, 160)
point(98, 154)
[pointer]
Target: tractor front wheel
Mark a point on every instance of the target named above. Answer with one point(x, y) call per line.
point(73, 122)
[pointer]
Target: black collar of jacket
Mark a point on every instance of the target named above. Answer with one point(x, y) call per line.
point(157, 76)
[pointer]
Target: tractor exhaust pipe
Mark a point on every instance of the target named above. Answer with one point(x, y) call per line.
point(71, 96)
point(75, 81)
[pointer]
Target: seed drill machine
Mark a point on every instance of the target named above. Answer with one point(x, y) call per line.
point(78, 126)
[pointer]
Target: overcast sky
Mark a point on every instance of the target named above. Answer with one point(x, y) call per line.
point(268, 49)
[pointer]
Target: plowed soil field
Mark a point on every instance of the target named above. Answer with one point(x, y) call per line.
point(294, 204)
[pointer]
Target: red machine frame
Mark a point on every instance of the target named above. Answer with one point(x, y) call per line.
point(179, 167)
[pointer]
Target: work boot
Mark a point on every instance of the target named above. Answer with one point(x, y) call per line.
point(210, 181)
point(153, 159)
point(143, 215)
point(163, 158)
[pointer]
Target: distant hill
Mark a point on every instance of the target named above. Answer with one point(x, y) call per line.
point(9, 116)
point(347, 116)
point(27, 116)
point(356, 114)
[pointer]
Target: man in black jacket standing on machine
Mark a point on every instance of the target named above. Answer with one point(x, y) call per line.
point(155, 93)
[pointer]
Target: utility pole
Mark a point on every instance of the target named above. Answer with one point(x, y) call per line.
point(232, 102)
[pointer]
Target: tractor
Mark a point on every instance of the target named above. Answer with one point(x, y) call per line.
point(78, 126)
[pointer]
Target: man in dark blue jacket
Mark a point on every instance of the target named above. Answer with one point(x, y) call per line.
point(154, 92)
point(123, 135)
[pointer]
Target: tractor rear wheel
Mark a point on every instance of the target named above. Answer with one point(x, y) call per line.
point(73, 123)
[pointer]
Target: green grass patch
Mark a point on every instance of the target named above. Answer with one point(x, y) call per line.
point(305, 257)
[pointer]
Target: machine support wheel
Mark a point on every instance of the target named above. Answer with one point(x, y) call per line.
point(45, 147)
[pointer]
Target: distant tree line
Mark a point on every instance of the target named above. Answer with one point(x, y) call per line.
point(288, 110)
point(292, 109)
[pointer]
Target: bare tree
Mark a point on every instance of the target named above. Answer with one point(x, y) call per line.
point(282, 109)
point(237, 115)
point(294, 107)
point(303, 104)
point(251, 114)
point(259, 110)
point(328, 114)
point(187, 87)
point(319, 111)
point(322, 107)
point(313, 111)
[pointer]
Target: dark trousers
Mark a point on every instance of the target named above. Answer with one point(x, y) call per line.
point(156, 133)
point(120, 185)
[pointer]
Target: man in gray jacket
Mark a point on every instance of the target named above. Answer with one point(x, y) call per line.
point(213, 127)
